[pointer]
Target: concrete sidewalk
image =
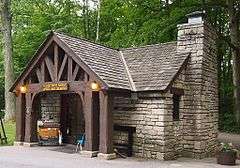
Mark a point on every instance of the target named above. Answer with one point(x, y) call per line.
point(42, 157)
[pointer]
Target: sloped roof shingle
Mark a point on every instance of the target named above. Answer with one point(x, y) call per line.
point(104, 61)
point(152, 67)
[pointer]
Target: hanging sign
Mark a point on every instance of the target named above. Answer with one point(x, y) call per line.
point(54, 86)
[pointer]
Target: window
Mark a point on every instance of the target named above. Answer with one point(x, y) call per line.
point(176, 104)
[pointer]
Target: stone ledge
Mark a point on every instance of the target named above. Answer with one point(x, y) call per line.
point(88, 154)
point(30, 144)
point(17, 143)
point(109, 156)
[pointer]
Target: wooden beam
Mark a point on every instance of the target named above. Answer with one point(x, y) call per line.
point(29, 127)
point(75, 72)
point(77, 86)
point(95, 115)
point(34, 87)
point(29, 80)
point(73, 86)
point(81, 94)
point(50, 67)
point(106, 123)
point(62, 67)
point(20, 117)
point(69, 69)
point(43, 71)
point(90, 130)
point(56, 57)
point(86, 76)
point(81, 63)
point(31, 64)
point(39, 75)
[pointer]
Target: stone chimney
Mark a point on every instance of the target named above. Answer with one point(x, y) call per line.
point(200, 117)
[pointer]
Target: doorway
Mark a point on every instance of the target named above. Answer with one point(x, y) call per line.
point(72, 120)
point(65, 112)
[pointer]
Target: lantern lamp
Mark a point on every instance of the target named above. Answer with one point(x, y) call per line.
point(95, 86)
point(23, 89)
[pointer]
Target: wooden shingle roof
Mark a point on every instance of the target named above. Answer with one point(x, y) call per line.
point(152, 67)
point(104, 61)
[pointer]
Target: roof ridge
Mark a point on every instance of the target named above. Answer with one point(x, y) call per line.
point(149, 45)
point(86, 40)
point(132, 84)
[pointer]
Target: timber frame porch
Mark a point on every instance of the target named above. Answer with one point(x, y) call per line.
point(56, 64)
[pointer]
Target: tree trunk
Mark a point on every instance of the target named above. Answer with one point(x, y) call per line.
point(235, 40)
point(98, 20)
point(85, 18)
point(8, 62)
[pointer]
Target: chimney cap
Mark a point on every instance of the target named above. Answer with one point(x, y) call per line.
point(197, 14)
point(196, 17)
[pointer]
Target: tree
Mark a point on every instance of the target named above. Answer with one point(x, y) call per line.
point(228, 48)
point(98, 20)
point(8, 62)
point(125, 24)
point(86, 17)
point(234, 25)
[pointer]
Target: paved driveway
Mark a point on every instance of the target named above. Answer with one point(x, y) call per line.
point(39, 157)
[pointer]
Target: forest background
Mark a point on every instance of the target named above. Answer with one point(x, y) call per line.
point(125, 23)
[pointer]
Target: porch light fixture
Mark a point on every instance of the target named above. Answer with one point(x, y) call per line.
point(23, 89)
point(95, 86)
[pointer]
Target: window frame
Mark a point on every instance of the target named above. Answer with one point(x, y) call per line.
point(176, 100)
point(176, 107)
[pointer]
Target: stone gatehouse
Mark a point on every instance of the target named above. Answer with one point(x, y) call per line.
point(158, 101)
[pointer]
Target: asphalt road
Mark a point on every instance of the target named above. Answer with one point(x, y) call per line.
point(42, 157)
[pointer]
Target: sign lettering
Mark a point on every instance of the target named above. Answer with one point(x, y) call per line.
point(55, 86)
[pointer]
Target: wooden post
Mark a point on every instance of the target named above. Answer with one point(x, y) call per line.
point(106, 123)
point(90, 131)
point(29, 127)
point(20, 118)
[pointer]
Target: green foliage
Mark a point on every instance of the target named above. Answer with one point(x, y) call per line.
point(2, 114)
point(34, 19)
point(10, 129)
point(138, 22)
point(228, 147)
point(123, 23)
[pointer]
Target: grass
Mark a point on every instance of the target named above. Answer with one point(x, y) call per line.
point(10, 128)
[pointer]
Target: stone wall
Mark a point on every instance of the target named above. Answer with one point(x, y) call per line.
point(145, 112)
point(195, 134)
point(157, 135)
point(174, 134)
point(50, 108)
point(201, 92)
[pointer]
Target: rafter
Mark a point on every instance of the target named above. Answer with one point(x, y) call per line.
point(43, 71)
point(85, 77)
point(62, 67)
point(56, 61)
point(50, 67)
point(39, 76)
point(69, 68)
point(75, 72)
